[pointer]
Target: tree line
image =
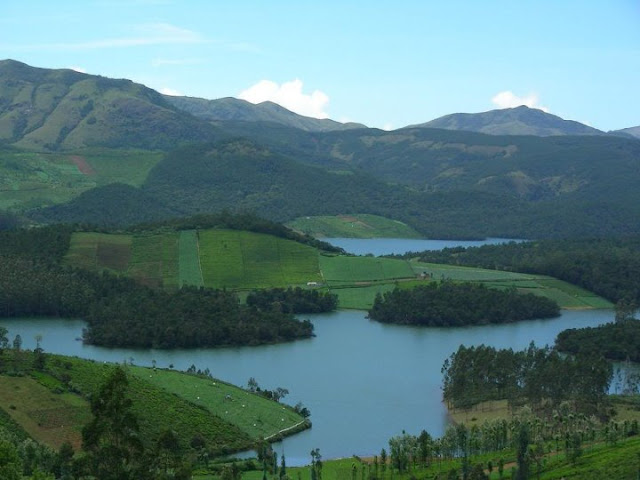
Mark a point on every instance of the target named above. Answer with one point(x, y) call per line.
point(618, 341)
point(609, 267)
point(445, 304)
point(293, 300)
point(539, 377)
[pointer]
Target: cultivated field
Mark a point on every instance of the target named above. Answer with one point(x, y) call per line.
point(243, 260)
point(47, 417)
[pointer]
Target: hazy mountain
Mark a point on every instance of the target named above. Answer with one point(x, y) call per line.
point(240, 110)
point(511, 121)
point(46, 109)
point(633, 131)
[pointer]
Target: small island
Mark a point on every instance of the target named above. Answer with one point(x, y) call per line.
point(449, 304)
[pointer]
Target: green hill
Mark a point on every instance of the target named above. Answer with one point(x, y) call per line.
point(44, 109)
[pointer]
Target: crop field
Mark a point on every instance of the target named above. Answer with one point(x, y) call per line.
point(49, 418)
point(343, 269)
point(98, 251)
point(189, 271)
point(154, 260)
point(254, 415)
point(353, 226)
point(237, 259)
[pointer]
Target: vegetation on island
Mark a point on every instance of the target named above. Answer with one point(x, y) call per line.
point(539, 377)
point(619, 341)
point(447, 304)
point(293, 300)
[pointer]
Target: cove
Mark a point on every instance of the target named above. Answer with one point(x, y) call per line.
point(363, 381)
point(399, 246)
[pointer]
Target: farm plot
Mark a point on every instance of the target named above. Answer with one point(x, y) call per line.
point(189, 270)
point(49, 418)
point(154, 260)
point(237, 259)
point(99, 251)
point(360, 298)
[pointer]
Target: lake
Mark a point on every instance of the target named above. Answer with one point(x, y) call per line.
point(389, 246)
point(363, 381)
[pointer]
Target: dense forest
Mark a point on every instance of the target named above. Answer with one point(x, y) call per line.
point(615, 341)
point(293, 300)
point(540, 377)
point(120, 312)
point(446, 304)
point(609, 267)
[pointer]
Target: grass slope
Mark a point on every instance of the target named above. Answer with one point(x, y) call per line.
point(256, 416)
point(353, 226)
point(55, 417)
point(38, 179)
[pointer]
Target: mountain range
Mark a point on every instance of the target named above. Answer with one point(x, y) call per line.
point(560, 179)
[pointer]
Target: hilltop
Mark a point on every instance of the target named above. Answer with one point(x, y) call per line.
point(520, 120)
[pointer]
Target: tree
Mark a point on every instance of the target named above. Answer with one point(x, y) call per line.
point(10, 468)
point(39, 358)
point(522, 451)
point(111, 439)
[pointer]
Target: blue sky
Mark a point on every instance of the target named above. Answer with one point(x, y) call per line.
point(385, 64)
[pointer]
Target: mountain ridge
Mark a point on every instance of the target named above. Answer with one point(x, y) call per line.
point(520, 120)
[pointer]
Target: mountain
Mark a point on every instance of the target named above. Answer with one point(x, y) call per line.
point(511, 121)
point(633, 131)
point(240, 110)
point(43, 109)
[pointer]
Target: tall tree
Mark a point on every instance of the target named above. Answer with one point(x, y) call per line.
point(111, 438)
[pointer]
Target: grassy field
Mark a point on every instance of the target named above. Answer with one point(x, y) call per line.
point(29, 180)
point(353, 226)
point(243, 260)
point(254, 415)
point(189, 270)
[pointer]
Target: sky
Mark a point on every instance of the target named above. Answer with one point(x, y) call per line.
point(386, 64)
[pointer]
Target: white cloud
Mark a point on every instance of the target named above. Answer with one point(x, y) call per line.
point(290, 96)
point(143, 35)
point(78, 69)
point(171, 91)
point(387, 126)
point(508, 99)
